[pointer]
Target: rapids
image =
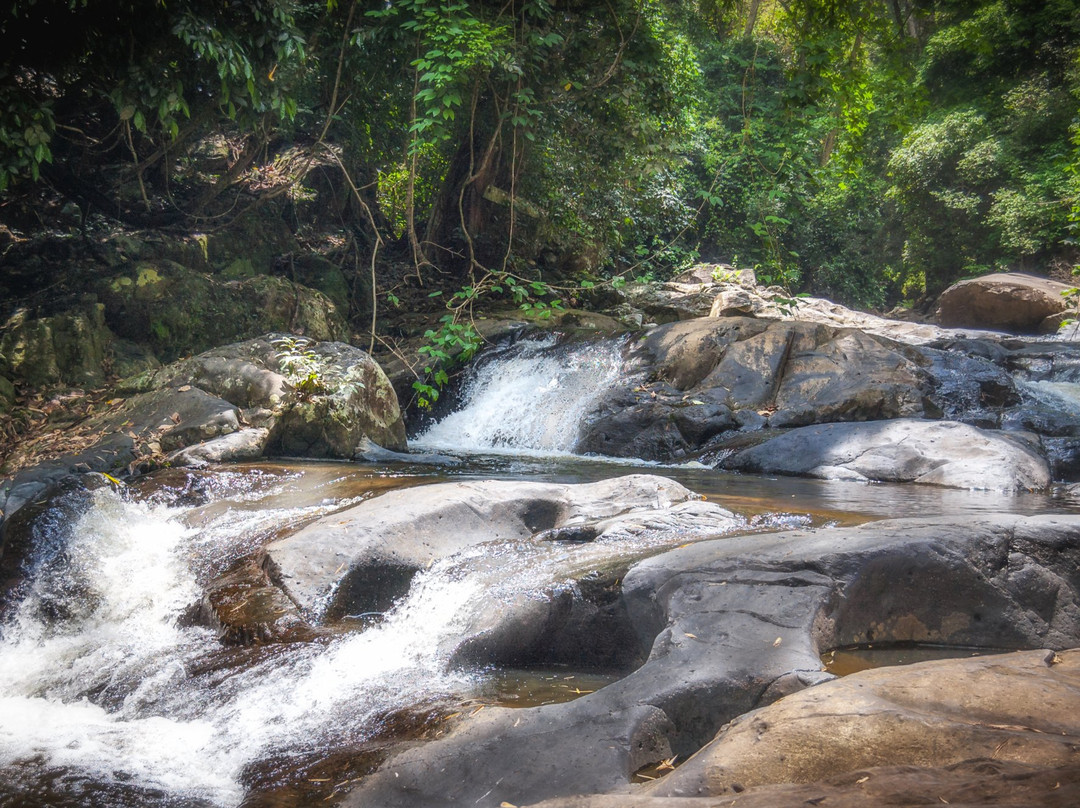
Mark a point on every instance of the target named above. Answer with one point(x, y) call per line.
point(111, 695)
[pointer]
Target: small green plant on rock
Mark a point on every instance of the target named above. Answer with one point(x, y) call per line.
point(307, 373)
point(456, 340)
point(452, 342)
point(1072, 300)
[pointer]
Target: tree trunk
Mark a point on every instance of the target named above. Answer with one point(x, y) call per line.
point(751, 18)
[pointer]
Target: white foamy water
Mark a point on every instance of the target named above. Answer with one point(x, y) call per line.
point(95, 672)
point(531, 397)
point(1059, 395)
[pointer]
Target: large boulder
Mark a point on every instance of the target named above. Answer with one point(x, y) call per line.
point(63, 349)
point(329, 566)
point(904, 450)
point(671, 301)
point(1011, 302)
point(775, 304)
point(317, 399)
point(1015, 707)
point(279, 394)
point(179, 312)
point(704, 376)
point(735, 624)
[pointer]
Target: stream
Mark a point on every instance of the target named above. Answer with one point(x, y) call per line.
point(111, 696)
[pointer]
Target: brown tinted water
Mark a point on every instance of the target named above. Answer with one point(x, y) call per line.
point(825, 501)
point(852, 659)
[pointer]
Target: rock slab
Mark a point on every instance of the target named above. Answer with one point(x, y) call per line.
point(1017, 707)
point(904, 450)
point(734, 624)
point(324, 563)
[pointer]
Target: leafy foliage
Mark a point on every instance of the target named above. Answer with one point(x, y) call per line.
point(308, 374)
point(872, 152)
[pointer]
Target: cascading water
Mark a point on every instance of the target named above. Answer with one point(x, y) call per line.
point(111, 698)
point(1058, 395)
point(530, 397)
point(99, 683)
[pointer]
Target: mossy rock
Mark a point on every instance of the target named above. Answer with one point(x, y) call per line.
point(7, 394)
point(65, 349)
point(359, 402)
point(316, 272)
point(259, 237)
point(176, 311)
point(349, 401)
point(129, 358)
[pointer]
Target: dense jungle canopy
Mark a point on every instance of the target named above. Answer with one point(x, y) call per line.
point(871, 152)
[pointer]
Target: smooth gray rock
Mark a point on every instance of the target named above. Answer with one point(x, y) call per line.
point(322, 564)
point(247, 444)
point(734, 623)
point(793, 373)
point(904, 450)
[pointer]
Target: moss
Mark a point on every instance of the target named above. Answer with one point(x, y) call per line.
point(179, 312)
point(240, 268)
point(68, 348)
point(7, 394)
point(146, 276)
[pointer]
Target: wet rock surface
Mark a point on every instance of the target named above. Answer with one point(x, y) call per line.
point(793, 373)
point(903, 450)
point(411, 529)
point(696, 388)
point(734, 624)
point(36, 537)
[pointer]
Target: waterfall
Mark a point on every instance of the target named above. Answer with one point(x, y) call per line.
point(530, 397)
